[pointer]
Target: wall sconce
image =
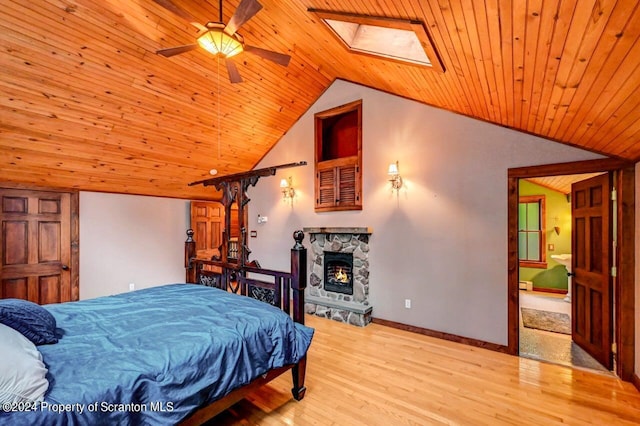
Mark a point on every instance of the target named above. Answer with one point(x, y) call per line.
point(287, 190)
point(396, 179)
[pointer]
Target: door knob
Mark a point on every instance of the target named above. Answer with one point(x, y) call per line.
point(65, 268)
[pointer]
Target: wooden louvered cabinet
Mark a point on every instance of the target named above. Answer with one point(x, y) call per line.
point(338, 158)
point(338, 185)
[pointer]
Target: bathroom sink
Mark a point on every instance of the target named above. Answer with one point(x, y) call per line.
point(565, 259)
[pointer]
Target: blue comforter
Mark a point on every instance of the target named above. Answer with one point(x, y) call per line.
point(154, 356)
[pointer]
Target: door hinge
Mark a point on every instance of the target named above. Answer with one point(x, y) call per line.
point(614, 271)
point(614, 348)
point(614, 195)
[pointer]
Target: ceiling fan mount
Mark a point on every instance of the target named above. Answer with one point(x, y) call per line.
point(217, 25)
point(222, 39)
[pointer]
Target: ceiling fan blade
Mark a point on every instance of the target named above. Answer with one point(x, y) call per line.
point(171, 7)
point(234, 75)
point(278, 58)
point(245, 11)
point(172, 51)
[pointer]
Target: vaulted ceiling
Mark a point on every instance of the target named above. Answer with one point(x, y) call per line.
point(86, 103)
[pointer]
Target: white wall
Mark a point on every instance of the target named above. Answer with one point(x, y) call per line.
point(443, 241)
point(130, 239)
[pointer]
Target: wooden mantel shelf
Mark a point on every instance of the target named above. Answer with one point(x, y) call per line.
point(339, 230)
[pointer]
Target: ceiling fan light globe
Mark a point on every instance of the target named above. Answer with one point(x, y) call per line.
point(217, 42)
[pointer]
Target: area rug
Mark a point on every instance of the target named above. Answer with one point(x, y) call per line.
point(545, 320)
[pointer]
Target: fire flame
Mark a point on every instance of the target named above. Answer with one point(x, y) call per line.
point(341, 276)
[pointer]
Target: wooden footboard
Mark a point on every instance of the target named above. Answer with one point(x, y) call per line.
point(282, 289)
point(210, 411)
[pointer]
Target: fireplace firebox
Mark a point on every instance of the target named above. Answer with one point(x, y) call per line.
point(338, 272)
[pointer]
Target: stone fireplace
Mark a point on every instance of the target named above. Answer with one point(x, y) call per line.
point(339, 274)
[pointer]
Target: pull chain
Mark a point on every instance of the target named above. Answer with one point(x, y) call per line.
point(219, 130)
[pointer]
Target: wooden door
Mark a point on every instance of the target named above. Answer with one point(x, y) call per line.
point(591, 283)
point(207, 222)
point(36, 248)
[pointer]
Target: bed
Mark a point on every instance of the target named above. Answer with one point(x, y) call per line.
point(171, 354)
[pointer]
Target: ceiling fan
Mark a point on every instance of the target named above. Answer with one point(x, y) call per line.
point(223, 40)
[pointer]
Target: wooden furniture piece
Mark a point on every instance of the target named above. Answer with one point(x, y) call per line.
point(234, 249)
point(338, 158)
point(284, 290)
point(232, 271)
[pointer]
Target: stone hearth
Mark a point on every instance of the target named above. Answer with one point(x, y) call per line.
point(349, 308)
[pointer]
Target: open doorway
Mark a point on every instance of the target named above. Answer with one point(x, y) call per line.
point(545, 271)
point(621, 285)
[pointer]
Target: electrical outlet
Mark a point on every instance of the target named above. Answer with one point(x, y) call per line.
point(407, 303)
point(132, 286)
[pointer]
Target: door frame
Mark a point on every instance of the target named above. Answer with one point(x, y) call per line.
point(74, 229)
point(624, 291)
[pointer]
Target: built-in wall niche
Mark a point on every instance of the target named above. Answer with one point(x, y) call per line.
point(338, 158)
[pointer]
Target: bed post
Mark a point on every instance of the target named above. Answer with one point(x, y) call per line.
point(298, 276)
point(298, 284)
point(190, 253)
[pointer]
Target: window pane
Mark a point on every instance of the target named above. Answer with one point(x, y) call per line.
point(533, 216)
point(522, 245)
point(533, 246)
point(522, 216)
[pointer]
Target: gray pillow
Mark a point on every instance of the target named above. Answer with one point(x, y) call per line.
point(22, 372)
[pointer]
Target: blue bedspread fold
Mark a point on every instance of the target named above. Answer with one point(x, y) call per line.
point(154, 356)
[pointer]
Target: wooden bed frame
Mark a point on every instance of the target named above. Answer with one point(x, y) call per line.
point(282, 289)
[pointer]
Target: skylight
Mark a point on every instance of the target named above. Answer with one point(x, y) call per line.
point(395, 39)
point(387, 42)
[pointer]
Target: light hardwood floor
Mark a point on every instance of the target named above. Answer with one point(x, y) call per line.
point(382, 376)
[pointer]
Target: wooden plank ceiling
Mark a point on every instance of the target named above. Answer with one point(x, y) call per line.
point(561, 183)
point(86, 103)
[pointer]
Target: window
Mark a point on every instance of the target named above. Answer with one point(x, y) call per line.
point(531, 232)
point(401, 40)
